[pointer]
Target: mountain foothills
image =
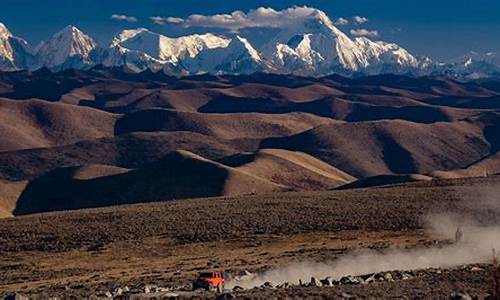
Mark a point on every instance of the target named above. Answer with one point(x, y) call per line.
point(107, 136)
point(308, 46)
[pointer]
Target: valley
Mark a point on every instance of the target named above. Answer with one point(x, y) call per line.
point(112, 180)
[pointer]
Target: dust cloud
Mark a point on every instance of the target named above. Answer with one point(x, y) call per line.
point(475, 232)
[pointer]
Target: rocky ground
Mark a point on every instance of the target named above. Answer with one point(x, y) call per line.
point(159, 248)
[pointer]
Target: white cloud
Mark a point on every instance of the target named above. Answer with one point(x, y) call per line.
point(168, 20)
point(360, 20)
point(341, 22)
point(364, 32)
point(260, 17)
point(125, 18)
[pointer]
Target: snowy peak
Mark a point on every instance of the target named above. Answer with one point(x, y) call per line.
point(165, 49)
point(14, 51)
point(385, 53)
point(239, 57)
point(6, 51)
point(240, 46)
point(473, 65)
point(4, 32)
point(475, 57)
point(126, 35)
point(69, 45)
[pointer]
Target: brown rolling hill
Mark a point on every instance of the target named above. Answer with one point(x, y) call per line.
point(127, 151)
point(85, 172)
point(35, 124)
point(384, 180)
point(103, 129)
point(294, 169)
point(192, 100)
point(485, 167)
point(10, 193)
point(223, 126)
point(179, 175)
point(367, 149)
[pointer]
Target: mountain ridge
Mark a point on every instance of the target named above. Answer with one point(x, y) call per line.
point(311, 46)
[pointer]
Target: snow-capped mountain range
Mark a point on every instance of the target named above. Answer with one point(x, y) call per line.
point(312, 46)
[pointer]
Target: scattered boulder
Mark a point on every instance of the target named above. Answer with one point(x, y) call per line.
point(135, 291)
point(16, 296)
point(368, 278)
point(225, 296)
point(349, 280)
point(117, 291)
point(459, 296)
point(388, 277)
point(328, 281)
point(238, 288)
point(284, 285)
point(314, 282)
point(246, 275)
point(170, 295)
point(267, 285)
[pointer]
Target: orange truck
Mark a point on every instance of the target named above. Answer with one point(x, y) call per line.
point(210, 281)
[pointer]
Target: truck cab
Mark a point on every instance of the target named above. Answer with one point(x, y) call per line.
point(210, 281)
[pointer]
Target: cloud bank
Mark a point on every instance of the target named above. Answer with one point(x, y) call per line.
point(360, 20)
point(342, 22)
point(364, 32)
point(260, 17)
point(125, 18)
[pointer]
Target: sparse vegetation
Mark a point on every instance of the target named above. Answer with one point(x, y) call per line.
point(167, 243)
point(495, 276)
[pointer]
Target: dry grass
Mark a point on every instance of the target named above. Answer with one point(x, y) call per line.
point(167, 243)
point(495, 277)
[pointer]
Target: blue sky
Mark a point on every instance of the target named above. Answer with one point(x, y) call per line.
point(441, 29)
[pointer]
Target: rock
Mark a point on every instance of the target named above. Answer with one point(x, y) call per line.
point(349, 280)
point(388, 277)
point(225, 296)
point(347, 296)
point(108, 295)
point(135, 291)
point(16, 296)
point(369, 278)
point(170, 295)
point(267, 285)
point(117, 291)
point(238, 288)
point(328, 281)
point(459, 296)
point(314, 282)
point(406, 276)
point(284, 285)
point(149, 288)
point(245, 276)
point(476, 269)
